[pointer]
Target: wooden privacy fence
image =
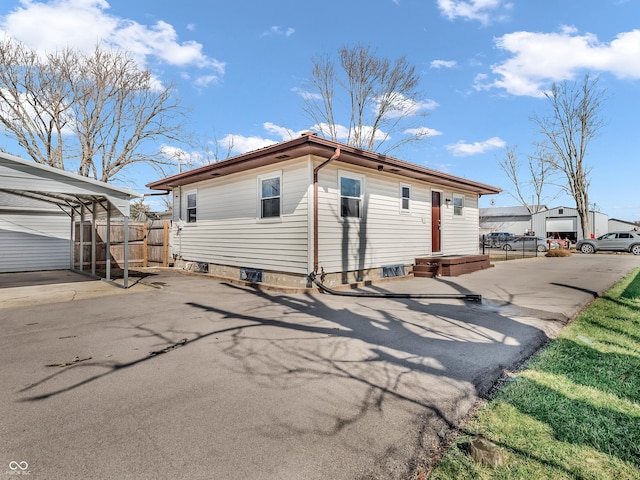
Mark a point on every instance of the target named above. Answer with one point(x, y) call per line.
point(148, 244)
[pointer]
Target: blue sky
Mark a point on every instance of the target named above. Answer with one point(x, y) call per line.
point(241, 67)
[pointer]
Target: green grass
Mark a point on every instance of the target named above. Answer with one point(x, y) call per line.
point(574, 411)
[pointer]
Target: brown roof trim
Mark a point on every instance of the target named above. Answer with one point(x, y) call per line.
point(311, 144)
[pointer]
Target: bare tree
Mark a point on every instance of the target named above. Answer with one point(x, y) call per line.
point(573, 122)
point(539, 171)
point(318, 104)
point(96, 114)
point(34, 103)
point(380, 95)
point(217, 149)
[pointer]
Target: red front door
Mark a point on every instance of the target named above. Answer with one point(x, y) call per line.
point(435, 222)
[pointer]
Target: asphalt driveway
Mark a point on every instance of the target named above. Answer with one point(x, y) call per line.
point(200, 379)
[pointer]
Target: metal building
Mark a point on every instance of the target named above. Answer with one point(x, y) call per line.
point(516, 220)
point(39, 206)
point(621, 225)
point(564, 222)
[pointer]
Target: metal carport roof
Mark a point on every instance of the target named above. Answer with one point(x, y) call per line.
point(27, 183)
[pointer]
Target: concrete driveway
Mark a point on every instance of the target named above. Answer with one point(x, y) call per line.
point(199, 379)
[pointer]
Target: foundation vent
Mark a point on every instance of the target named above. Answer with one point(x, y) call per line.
point(252, 275)
point(393, 271)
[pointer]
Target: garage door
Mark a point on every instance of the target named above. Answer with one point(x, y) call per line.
point(34, 241)
point(561, 225)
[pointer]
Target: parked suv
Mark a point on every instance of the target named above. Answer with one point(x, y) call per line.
point(611, 242)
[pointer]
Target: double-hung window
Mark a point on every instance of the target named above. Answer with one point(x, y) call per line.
point(350, 195)
point(270, 195)
point(191, 206)
point(405, 197)
point(458, 204)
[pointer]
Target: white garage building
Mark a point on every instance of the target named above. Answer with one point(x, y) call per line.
point(560, 222)
point(38, 207)
point(564, 222)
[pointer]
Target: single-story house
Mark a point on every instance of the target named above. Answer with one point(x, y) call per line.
point(39, 206)
point(315, 205)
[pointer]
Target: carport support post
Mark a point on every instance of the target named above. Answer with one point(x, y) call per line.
point(81, 254)
point(125, 280)
point(108, 246)
point(93, 239)
point(72, 253)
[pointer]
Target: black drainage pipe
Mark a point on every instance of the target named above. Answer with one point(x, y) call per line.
point(470, 297)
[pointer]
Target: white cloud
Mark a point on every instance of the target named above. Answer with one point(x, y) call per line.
point(307, 95)
point(423, 132)
point(206, 80)
point(462, 149)
point(538, 59)
point(405, 107)
point(83, 24)
point(279, 31)
point(443, 64)
point(240, 144)
point(342, 132)
point(182, 157)
point(482, 10)
point(283, 132)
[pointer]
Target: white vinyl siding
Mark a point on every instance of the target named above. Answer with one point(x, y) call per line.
point(460, 232)
point(230, 232)
point(383, 236)
point(34, 241)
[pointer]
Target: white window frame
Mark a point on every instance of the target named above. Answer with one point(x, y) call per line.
point(458, 205)
point(403, 198)
point(352, 176)
point(187, 194)
point(261, 178)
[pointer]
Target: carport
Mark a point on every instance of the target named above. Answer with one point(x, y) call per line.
point(34, 200)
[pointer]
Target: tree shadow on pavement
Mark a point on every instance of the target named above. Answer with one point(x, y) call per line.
point(364, 360)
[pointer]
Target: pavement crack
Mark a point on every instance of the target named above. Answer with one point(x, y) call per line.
point(169, 348)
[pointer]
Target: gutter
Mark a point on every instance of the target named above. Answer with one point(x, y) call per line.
point(315, 206)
